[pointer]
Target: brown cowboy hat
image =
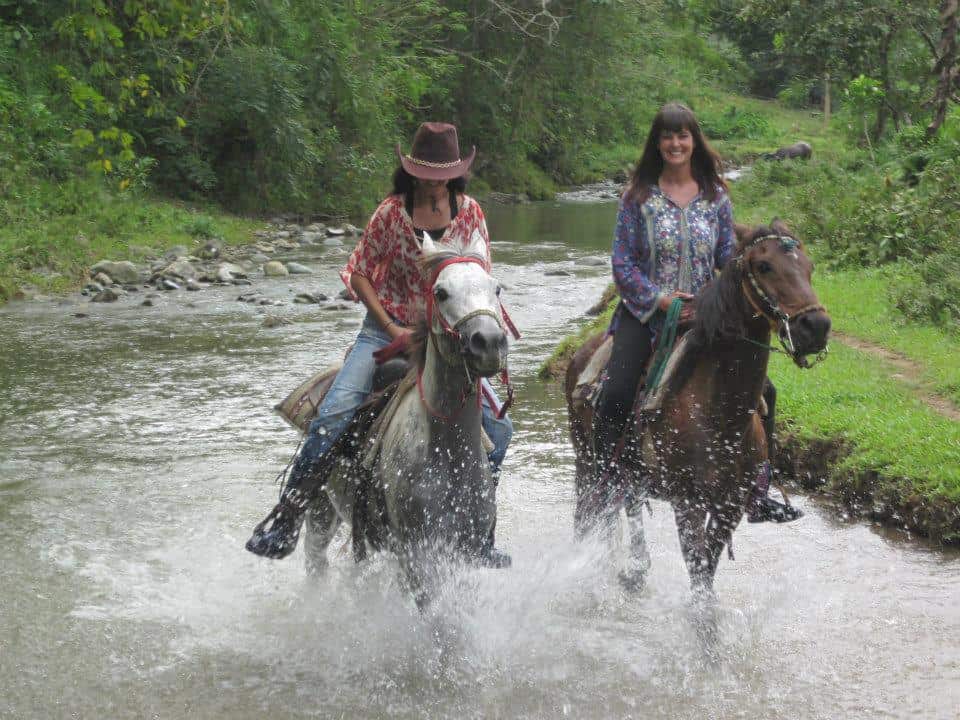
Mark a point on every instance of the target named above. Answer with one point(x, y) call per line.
point(435, 154)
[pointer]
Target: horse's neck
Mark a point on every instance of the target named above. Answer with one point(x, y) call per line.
point(740, 368)
point(453, 413)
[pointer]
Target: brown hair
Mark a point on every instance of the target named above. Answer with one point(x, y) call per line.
point(706, 163)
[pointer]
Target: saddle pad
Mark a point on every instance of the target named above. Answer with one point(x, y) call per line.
point(653, 396)
point(589, 377)
point(299, 408)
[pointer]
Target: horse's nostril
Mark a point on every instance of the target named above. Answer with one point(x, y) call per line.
point(478, 343)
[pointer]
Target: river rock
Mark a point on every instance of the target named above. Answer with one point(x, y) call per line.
point(352, 229)
point(91, 288)
point(316, 227)
point(275, 268)
point(103, 279)
point(193, 285)
point(344, 295)
point(336, 231)
point(147, 303)
point(210, 250)
point(121, 272)
point(310, 237)
point(297, 269)
point(167, 284)
point(177, 251)
point(226, 272)
point(242, 281)
point(558, 272)
point(106, 295)
point(272, 321)
point(310, 298)
point(336, 306)
point(335, 240)
point(281, 234)
point(180, 268)
point(593, 261)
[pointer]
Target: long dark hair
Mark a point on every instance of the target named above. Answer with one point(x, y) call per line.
point(404, 183)
point(705, 162)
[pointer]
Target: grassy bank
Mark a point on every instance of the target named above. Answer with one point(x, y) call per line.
point(53, 232)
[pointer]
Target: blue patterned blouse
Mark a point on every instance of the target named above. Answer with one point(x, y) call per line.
point(659, 247)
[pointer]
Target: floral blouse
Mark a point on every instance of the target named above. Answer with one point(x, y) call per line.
point(389, 251)
point(659, 247)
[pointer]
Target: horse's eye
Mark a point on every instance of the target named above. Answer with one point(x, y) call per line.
point(499, 290)
point(764, 267)
point(440, 294)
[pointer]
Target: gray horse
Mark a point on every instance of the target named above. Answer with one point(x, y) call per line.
point(421, 485)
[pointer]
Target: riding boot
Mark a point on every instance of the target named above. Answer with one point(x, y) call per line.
point(277, 534)
point(762, 508)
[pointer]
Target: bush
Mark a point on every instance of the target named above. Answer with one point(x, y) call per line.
point(734, 123)
point(933, 296)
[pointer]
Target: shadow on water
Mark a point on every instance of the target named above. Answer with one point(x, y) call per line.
point(137, 449)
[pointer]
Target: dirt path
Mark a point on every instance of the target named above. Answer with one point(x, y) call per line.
point(907, 371)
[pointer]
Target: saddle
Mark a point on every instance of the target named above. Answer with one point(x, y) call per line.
point(649, 396)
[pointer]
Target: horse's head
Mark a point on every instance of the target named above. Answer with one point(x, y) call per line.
point(463, 309)
point(776, 280)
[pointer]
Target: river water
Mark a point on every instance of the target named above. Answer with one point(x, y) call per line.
point(138, 448)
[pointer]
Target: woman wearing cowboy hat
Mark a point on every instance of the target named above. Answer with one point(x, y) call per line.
point(383, 273)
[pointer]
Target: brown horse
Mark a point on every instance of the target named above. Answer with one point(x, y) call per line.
point(702, 448)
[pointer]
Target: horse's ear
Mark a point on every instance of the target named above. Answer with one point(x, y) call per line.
point(477, 245)
point(780, 227)
point(743, 232)
point(428, 246)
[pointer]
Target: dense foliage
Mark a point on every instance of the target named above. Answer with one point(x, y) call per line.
point(297, 105)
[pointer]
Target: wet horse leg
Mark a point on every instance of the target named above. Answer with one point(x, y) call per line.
point(724, 518)
point(691, 520)
point(322, 525)
point(634, 575)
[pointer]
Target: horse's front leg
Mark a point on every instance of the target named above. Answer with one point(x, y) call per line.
point(691, 520)
point(725, 516)
point(634, 576)
point(322, 524)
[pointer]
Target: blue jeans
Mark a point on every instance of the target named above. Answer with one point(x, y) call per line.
point(352, 387)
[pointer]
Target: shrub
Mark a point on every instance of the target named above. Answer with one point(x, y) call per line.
point(734, 123)
point(933, 295)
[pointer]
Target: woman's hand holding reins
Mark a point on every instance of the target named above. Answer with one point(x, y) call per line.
point(686, 312)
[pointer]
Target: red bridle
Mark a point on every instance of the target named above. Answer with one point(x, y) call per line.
point(453, 333)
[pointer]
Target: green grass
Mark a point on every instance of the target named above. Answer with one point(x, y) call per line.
point(859, 305)
point(53, 232)
point(896, 451)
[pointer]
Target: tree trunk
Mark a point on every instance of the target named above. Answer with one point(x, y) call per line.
point(826, 98)
point(946, 66)
point(884, 52)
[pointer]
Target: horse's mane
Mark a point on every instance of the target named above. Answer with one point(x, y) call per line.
point(720, 309)
point(417, 351)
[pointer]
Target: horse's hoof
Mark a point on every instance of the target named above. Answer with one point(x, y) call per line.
point(495, 559)
point(633, 581)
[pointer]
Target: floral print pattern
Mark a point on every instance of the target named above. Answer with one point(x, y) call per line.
point(388, 255)
point(659, 247)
